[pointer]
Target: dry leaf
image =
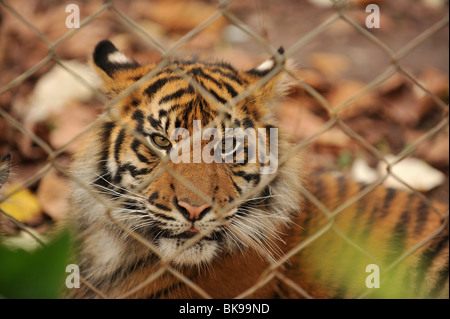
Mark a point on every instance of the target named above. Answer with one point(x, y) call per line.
point(414, 172)
point(181, 16)
point(23, 205)
point(363, 173)
point(68, 124)
point(46, 100)
point(330, 65)
point(313, 78)
point(402, 109)
point(297, 119)
point(392, 85)
point(302, 123)
point(435, 151)
point(52, 193)
point(437, 83)
point(346, 90)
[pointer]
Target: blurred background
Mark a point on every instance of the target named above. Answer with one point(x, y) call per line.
point(44, 106)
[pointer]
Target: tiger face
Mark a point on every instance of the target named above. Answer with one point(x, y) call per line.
point(177, 157)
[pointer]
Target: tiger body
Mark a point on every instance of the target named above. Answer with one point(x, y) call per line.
point(135, 211)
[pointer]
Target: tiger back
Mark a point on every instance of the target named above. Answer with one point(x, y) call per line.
point(388, 243)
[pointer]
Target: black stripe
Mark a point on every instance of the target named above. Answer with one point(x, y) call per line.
point(440, 282)
point(426, 259)
point(133, 205)
point(175, 107)
point(166, 126)
point(217, 96)
point(390, 195)
point(361, 209)
point(104, 178)
point(379, 210)
point(177, 122)
point(397, 243)
point(153, 88)
point(162, 113)
point(198, 72)
point(176, 95)
point(133, 170)
point(247, 123)
point(319, 190)
point(152, 197)
point(422, 217)
point(232, 76)
point(249, 177)
point(239, 190)
point(156, 123)
point(342, 185)
point(118, 144)
point(139, 117)
point(163, 216)
point(162, 292)
point(230, 89)
point(106, 129)
point(162, 207)
point(369, 225)
point(223, 65)
point(134, 146)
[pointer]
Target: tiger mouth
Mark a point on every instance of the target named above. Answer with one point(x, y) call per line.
point(215, 236)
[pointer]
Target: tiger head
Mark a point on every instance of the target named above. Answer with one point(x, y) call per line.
point(190, 159)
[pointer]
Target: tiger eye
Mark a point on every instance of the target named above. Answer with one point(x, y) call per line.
point(161, 141)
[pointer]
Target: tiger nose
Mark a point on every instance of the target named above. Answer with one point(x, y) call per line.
point(193, 212)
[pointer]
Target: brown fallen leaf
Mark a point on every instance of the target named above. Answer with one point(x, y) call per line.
point(437, 83)
point(434, 151)
point(413, 172)
point(69, 124)
point(392, 85)
point(52, 193)
point(313, 78)
point(299, 121)
point(179, 16)
point(332, 66)
point(22, 205)
point(402, 108)
point(346, 90)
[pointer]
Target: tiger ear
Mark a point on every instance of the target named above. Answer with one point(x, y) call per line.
point(276, 86)
point(5, 163)
point(108, 61)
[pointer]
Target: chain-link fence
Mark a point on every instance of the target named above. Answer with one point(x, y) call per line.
point(339, 16)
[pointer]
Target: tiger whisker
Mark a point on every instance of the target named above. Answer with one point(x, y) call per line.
point(118, 187)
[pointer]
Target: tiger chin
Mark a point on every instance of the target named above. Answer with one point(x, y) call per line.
point(143, 216)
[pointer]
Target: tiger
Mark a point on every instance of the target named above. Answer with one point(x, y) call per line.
point(149, 225)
